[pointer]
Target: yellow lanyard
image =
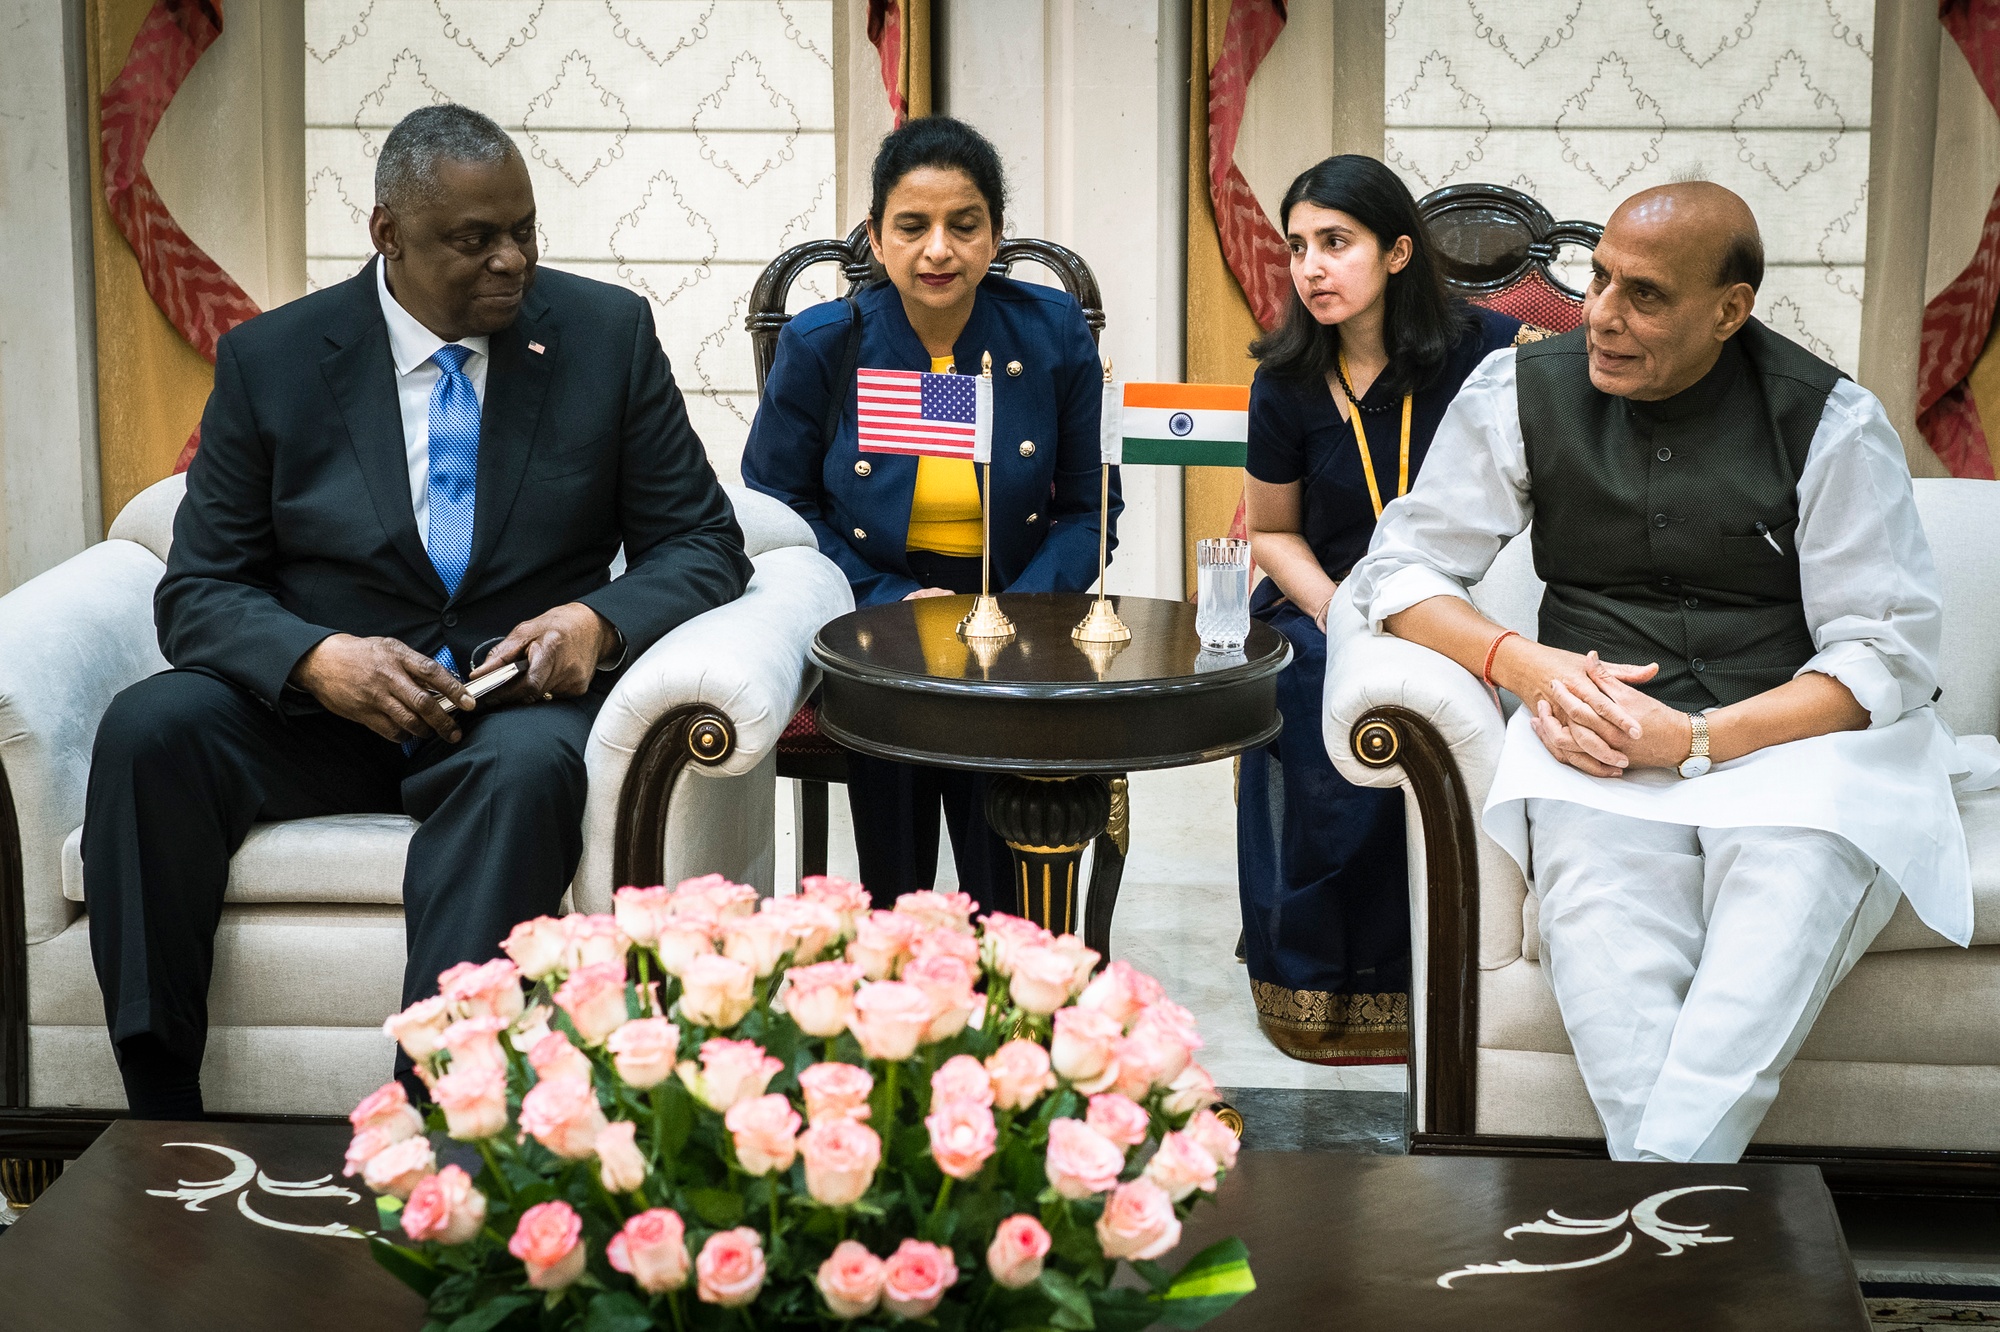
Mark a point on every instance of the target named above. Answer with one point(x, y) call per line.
point(1361, 442)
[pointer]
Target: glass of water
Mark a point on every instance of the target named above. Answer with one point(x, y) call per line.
point(1222, 593)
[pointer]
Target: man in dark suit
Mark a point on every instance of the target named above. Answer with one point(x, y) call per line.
point(419, 474)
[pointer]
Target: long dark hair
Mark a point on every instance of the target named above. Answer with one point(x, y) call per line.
point(937, 141)
point(1421, 321)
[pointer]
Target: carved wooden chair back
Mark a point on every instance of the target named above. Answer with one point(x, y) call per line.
point(1498, 248)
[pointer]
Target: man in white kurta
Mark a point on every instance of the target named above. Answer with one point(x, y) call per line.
point(1709, 867)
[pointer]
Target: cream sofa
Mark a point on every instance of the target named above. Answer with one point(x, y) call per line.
point(1898, 1087)
point(309, 954)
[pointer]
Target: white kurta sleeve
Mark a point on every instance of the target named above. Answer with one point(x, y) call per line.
point(1469, 501)
point(1871, 589)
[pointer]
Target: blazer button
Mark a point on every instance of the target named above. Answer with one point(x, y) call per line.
point(1033, 516)
point(451, 619)
point(860, 535)
point(1014, 369)
point(1027, 448)
point(862, 468)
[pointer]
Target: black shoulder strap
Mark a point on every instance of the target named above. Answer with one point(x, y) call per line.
point(843, 382)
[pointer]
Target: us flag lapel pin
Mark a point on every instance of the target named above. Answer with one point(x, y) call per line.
point(537, 348)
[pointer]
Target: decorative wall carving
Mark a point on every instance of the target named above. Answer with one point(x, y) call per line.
point(1583, 102)
point(675, 145)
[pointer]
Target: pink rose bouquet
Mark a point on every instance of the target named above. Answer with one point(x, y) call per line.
point(704, 1111)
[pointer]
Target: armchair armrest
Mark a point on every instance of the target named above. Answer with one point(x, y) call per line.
point(707, 701)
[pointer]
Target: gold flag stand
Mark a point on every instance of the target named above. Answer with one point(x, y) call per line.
point(1102, 624)
point(986, 620)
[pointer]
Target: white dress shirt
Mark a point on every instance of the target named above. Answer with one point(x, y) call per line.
point(411, 347)
point(1872, 601)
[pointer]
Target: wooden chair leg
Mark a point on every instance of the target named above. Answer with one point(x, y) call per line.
point(813, 821)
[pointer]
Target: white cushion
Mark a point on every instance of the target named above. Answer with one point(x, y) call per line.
point(148, 517)
point(355, 858)
point(767, 523)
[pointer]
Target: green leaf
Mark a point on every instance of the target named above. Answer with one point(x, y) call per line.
point(1072, 1305)
point(388, 1211)
point(1212, 1281)
point(489, 1316)
point(721, 1208)
point(1153, 1275)
point(1124, 1310)
point(617, 1312)
point(408, 1267)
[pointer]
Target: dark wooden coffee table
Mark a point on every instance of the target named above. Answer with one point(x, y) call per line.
point(1410, 1242)
point(103, 1250)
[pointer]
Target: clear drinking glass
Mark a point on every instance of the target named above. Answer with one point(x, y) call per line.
point(1222, 593)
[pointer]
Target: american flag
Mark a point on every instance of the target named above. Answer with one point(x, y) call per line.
point(912, 411)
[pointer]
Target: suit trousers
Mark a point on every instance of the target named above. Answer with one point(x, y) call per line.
point(1690, 964)
point(184, 763)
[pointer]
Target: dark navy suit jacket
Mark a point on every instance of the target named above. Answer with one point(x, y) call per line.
point(1045, 438)
point(298, 522)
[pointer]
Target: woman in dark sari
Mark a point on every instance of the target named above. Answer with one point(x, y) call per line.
point(1349, 390)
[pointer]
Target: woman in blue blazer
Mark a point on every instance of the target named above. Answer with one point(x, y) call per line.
point(903, 527)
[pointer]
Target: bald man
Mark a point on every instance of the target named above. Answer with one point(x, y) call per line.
point(1726, 768)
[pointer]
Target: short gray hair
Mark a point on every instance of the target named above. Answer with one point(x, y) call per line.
point(406, 172)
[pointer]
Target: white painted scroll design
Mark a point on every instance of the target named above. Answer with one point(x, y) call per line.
point(1674, 1238)
point(195, 1194)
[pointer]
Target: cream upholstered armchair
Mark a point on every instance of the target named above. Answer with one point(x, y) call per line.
point(1898, 1087)
point(309, 954)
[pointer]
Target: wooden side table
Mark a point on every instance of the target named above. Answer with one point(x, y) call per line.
point(1060, 722)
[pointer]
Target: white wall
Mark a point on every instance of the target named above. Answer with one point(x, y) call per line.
point(48, 417)
point(1086, 101)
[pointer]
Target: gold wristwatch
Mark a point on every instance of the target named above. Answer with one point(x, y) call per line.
point(1697, 761)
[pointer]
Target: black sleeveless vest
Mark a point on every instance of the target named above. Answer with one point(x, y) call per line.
point(1665, 531)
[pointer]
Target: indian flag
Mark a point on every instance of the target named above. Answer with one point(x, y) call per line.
point(1180, 425)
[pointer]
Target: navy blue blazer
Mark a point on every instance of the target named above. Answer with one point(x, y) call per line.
point(1045, 438)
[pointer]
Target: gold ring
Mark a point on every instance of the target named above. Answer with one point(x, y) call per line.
point(548, 698)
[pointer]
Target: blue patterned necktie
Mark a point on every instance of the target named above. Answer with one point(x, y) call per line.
point(454, 472)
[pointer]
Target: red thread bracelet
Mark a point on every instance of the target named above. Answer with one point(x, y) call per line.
point(1486, 673)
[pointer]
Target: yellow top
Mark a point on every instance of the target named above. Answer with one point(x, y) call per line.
point(944, 509)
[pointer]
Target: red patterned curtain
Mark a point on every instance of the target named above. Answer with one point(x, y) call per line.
point(1251, 244)
point(901, 33)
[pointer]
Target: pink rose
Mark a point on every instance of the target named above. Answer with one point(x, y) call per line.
point(836, 1090)
point(947, 943)
point(882, 942)
point(1041, 980)
point(399, 1167)
point(549, 1243)
point(444, 1207)
point(1167, 1039)
point(1007, 935)
point(492, 989)
point(1083, 960)
point(474, 1101)
point(947, 982)
point(643, 1051)
point(1085, 1048)
point(962, 1137)
point(591, 941)
point(811, 926)
point(475, 1043)
point(1170, 1017)
point(730, 1270)
point(1213, 1136)
point(681, 940)
point(730, 1071)
point(1150, 1057)
point(850, 1280)
point(594, 998)
point(961, 1078)
point(537, 946)
point(1119, 1118)
point(820, 998)
point(529, 1028)
point(940, 911)
point(915, 1278)
point(620, 1163)
point(890, 1018)
point(554, 1057)
point(718, 990)
point(1015, 1256)
point(713, 898)
point(562, 1114)
point(419, 1029)
point(1138, 1222)
point(1181, 1166)
point(652, 1250)
point(1189, 1092)
point(758, 941)
point(844, 896)
point(387, 1108)
point(1082, 1162)
point(1120, 990)
point(766, 1133)
point(1020, 1073)
point(841, 1156)
point(639, 912)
